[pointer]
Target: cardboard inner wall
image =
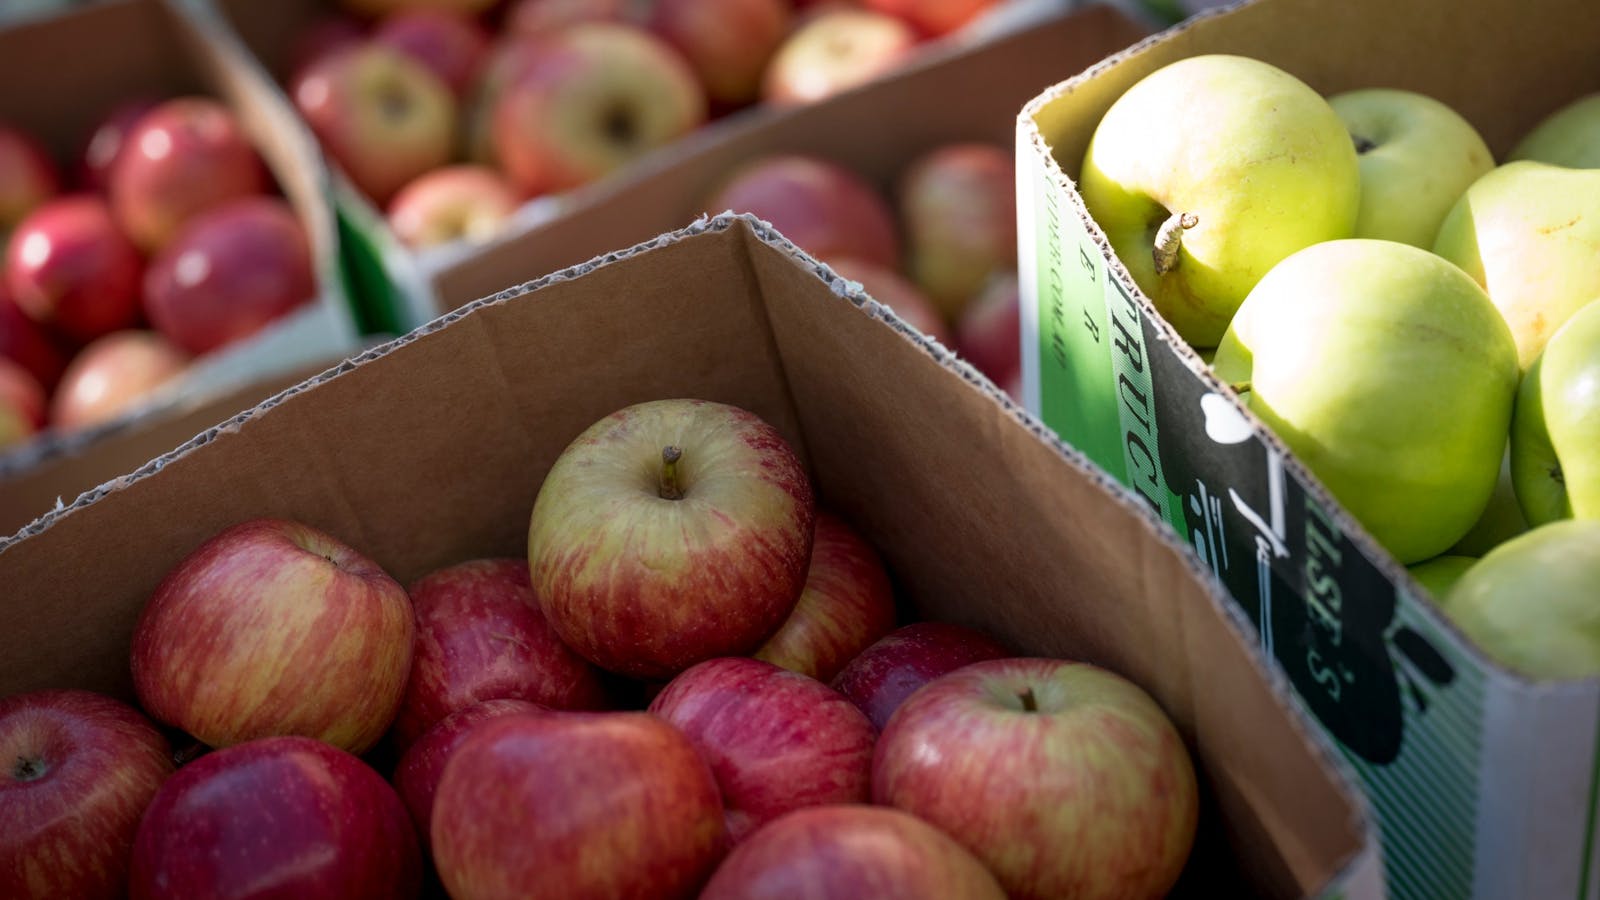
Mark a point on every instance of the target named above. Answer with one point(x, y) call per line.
point(430, 452)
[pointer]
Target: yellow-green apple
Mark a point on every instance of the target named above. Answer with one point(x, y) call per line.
point(851, 850)
point(70, 268)
point(959, 206)
point(1439, 575)
point(776, 740)
point(112, 375)
point(1530, 602)
point(1064, 779)
point(727, 42)
point(183, 157)
point(1417, 156)
point(989, 331)
point(456, 203)
point(106, 142)
point(78, 771)
point(538, 18)
point(1529, 232)
point(28, 177)
point(26, 343)
point(480, 636)
point(451, 45)
point(22, 404)
point(1555, 430)
point(1208, 172)
point(416, 776)
point(933, 18)
point(507, 58)
point(281, 817)
point(1333, 345)
point(376, 8)
point(576, 806)
point(882, 676)
point(384, 117)
point(594, 97)
point(1569, 137)
point(894, 291)
point(1502, 518)
point(274, 628)
point(826, 209)
point(847, 604)
point(833, 51)
point(670, 532)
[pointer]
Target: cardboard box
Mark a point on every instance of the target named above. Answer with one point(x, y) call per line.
point(1485, 784)
point(430, 450)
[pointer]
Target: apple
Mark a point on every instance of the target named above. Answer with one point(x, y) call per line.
point(595, 97)
point(113, 375)
point(455, 203)
point(1207, 173)
point(507, 58)
point(576, 806)
point(1388, 372)
point(1502, 518)
point(1527, 233)
point(882, 676)
point(22, 404)
point(28, 177)
point(69, 268)
point(229, 273)
point(851, 850)
point(107, 141)
point(384, 117)
point(1439, 574)
point(540, 18)
point(275, 628)
point(325, 35)
point(416, 777)
point(1065, 779)
point(776, 740)
point(1529, 603)
point(480, 636)
point(892, 290)
point(836, 50)
point(934, 18)
point(1555, 428)
point(376, 8)
point(24, 342)
point(726, 42)
point(670, 532)
point(281, 817)
point(450, 44)
point(79, 769)
point(824, 208)
point(1569, 137)
point(184, 157)
point(847, 604)
point(989, 331)
point(959, 206)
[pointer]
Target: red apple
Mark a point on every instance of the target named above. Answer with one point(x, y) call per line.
point(892, 290)
point(383, 116)
point(889, 671)
point(182, 158)
point(106, 142)
point(847, 604)
point(1065, 779)
point(326, 35)
point(726, 42)
point(648, 577)
point(77, 770)
point(776, 740)
point(277, 817)
point(576, 806)
point(506, 60)
point(450, 44)
point(22, 341)
point(835, 51)
point(416, 777)
point(959, 206)
point(540, 18)
point(22, 401)
point(70, 268)
point(229, 273)
point(112, 375)
point(850, 850)
point(989, 332)
point(480, 636)
point(28, 177)
point(275, 628)
point(933, 18)
point(375, 8)
point(824, 208)
point(456, 203)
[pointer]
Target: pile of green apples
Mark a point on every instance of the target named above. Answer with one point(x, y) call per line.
point(1417, 321)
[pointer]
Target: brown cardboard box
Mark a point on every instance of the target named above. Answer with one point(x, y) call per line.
point(430, 450)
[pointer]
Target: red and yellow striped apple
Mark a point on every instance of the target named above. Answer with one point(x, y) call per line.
point(882, 676)
point(416, 776)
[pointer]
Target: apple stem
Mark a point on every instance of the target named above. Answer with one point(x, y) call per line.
point(1240, 387)
point(28, 769)
point(669, 473)
point(1169, 237)
point(1029, 702)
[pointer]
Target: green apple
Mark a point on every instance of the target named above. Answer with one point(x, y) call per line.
point(1209, 171)
point(1417, 156)
point(1529, 233)
point(1439, 575)
point(1531, 603)
point(1390, 375)
point(1555, 430)
point(1569, 137)
point(1502, 519)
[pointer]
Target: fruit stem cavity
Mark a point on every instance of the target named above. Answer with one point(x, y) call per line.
point(28, 769)
point(1362, 144)
point(670, 490)
point(1169, 237)
point(1029, 702)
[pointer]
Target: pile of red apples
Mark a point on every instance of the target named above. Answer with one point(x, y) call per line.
point(449, 114)
point(164, 239)
point(698, 682)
